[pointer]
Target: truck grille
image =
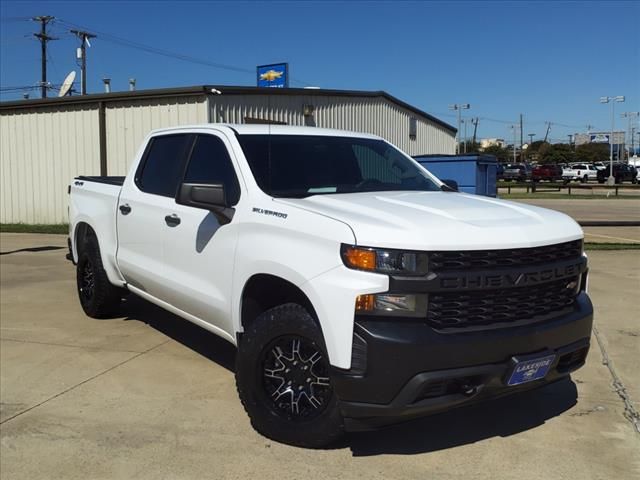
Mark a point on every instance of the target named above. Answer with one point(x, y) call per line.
point(479, 309)
point(487, 259)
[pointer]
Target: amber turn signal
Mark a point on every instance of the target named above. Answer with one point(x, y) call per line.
point(365, 303)
point(362, 258)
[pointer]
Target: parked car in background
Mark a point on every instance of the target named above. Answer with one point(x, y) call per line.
point(520, 172)
point(599, 165)
point(499, 171)
point(580, 172)
point(549, 172)
point(622, 172)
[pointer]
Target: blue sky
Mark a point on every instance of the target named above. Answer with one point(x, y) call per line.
point(550, 61)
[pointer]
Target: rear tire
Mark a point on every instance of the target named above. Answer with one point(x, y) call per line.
point(98, 297)
point(283, 379)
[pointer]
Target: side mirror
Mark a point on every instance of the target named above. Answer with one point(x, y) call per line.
point(209, 197)
point(450, 185)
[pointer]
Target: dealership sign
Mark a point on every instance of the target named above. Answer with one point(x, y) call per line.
point(275, 75)
point(599, 138)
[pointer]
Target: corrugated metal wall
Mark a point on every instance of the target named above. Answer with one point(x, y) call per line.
point(41, 150)
point(128, 122)
point(371, 115)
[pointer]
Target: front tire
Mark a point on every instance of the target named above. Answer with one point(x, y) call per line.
point(283, 379)
point(98, 297)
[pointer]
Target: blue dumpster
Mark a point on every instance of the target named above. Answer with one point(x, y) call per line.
point(474, 173)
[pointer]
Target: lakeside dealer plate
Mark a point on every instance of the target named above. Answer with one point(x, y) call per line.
point(530, 370)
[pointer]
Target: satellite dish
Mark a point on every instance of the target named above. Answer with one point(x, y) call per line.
point(67, 84)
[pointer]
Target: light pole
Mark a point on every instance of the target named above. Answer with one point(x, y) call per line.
point(465, 121)
point(515, 131)
point(459, 107)
point(630, 116)
point(620, 98)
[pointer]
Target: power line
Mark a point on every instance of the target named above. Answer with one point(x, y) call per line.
point(166, 53)
point(15, 19)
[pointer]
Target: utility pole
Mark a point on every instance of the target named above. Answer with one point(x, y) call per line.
point(475, 128)
point(521, 135)
point(84, 40)
point(633, 144)
point(459, 107)
point(546, 135)
point(44, 38)
point(630, 116)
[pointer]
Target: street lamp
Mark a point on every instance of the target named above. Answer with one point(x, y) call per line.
point(620, 98)
point(459, 107)
point(514, 128)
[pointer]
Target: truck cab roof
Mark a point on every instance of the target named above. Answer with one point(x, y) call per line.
point(268, 129)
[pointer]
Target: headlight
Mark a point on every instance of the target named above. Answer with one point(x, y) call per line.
point(392, 262)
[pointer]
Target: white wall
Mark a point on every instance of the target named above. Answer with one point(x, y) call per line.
point(41, 150)
point(128, 122)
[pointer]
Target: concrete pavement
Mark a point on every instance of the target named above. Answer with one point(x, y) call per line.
point(148, 395)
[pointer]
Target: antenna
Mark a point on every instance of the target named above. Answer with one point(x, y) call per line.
point(67, 84)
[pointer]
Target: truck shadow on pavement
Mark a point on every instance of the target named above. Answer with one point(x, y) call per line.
point(182, 331)
point(498, 418)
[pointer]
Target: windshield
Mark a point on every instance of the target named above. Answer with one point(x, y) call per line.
point(304, 165)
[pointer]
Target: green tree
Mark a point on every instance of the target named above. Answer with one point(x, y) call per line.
point(592, 152)
point(472, 147)
point(557, 153)
point(501, 153)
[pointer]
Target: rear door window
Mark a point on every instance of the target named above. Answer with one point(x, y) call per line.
point(163, 164)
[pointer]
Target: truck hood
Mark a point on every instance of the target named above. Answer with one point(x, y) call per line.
point(441, 220)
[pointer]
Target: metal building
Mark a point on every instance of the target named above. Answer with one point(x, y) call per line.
point(44, 143)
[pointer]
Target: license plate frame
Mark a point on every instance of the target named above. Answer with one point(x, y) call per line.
point(530, 369)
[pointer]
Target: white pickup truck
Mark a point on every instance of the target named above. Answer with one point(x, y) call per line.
point(579, 172)
point(359, 289)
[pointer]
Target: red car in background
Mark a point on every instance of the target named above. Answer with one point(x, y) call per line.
point(553, 173)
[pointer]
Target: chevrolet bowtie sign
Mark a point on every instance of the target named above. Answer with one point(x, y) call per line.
point(275, 75)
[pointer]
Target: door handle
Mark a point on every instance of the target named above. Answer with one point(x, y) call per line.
point(172, 220)
point(125, 209)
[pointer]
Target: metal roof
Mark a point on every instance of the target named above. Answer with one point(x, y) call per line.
point(210, 90)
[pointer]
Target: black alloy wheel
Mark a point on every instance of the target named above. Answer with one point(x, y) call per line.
point(296, 378)
point(87, 281)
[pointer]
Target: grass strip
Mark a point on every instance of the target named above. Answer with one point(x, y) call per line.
point(563, 196)
point(611, 246)
point(33, 228)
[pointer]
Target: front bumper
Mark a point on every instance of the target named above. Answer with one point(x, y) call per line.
point(402, 368)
